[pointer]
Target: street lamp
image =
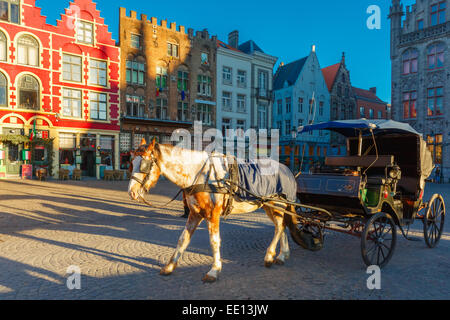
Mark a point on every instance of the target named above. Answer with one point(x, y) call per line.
point(292, 145)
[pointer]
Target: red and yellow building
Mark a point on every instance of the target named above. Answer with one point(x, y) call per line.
point(60, 84)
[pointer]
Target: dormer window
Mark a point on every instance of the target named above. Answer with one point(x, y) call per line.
point(9, 10)
point(85, 32)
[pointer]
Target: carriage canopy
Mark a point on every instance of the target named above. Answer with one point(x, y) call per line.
point(352, 129)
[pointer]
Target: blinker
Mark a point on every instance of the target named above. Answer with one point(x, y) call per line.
point(146, 166)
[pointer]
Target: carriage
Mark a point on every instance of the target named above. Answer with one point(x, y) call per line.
point(372, 191)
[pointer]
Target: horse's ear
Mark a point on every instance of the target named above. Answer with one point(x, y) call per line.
point(151, 145)
point(143, 142)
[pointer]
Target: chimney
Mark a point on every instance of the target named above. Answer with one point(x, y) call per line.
point(373, 90)
point(233, 39)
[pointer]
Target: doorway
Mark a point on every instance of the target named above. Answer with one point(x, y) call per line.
point(88, 163)
point(13, 161)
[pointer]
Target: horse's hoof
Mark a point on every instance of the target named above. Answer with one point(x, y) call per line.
point(209, 279)
point(267, 264)
point(279, 262)
point(165, 272)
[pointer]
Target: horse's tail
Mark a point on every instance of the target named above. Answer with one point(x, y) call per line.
point(291, 222)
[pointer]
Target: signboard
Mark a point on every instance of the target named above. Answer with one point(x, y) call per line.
point(98, 160)
point(27, 171)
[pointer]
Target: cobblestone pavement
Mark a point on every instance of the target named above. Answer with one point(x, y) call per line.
point(120, 245)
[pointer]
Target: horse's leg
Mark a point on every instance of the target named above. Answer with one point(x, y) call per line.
point(191, 224)
point(277, 219)
point(214, 238)
point(284, 249)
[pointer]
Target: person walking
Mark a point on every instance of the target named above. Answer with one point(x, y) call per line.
point(437, 178)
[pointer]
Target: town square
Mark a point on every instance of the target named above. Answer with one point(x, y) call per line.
point(154, 152)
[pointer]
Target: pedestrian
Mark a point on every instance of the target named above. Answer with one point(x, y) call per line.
point(437, 173)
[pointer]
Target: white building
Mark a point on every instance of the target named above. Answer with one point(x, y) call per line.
point(244, 85)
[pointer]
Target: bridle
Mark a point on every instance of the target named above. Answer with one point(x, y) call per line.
point(145, 168)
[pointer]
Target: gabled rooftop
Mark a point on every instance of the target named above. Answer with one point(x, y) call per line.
point(289, 73)
point(249, 47)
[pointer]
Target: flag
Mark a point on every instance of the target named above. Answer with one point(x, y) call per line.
point(157, 92)
point(183, 95)
point(33, 132)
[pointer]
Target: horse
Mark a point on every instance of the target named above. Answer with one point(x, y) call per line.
point(184, 168)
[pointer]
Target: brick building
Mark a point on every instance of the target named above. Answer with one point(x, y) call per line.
point(342, 100)
point(168, 79)
point(420, 56)
point(369, 106)
point(60, 82)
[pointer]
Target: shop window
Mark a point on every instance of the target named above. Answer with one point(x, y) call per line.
point(107, 150)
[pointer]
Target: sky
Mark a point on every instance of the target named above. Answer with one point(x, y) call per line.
point(285, 28)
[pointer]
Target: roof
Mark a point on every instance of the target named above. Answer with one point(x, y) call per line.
point(367, 95)
point(289, 72)
point(221, 44)
point(249, 47)
point(330, 73)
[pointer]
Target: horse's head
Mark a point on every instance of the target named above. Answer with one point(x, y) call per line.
point(144, 170)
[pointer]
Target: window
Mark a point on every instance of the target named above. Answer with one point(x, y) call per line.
point(183, 111)
point(135, 72)
point(3, 90)
point(437, 15)
point(409, 105)
point(279, 106)
point(321, 108)
point(3, 47)
point(125, 142)
point(226, 126)
point(435, 56)
point(98, 73)
point(435, 101)
point(71, 103)
point(227, 75)
point(28, 51)
point(287, 127)
point(135, 106)
point(183, 81)
point(161, 109)
point(135, 41)
point(262, 117)
point(300, 122)
point(420, 24)
point(161, 77)
point(410, 61)
point(288, 105)
point(9, 10)
point(71, 68)
point(263, 83)
point(29, 93)
point(241, 104)
point(226, 101)
point(204, 113)
point(362, 112)
point(240, 128)
point(204, 58)
point(380, 115)
point(434, 143)
point(98, 106)
point(242, 78)
point(280, 127)
point(370, 113)
point(85, 32)
point(300, 105)
point(204, 85)
point(172, 49)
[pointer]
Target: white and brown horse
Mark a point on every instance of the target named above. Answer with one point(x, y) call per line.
point(184, 168)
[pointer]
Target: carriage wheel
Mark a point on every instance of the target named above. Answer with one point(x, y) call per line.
point(433, 221)
point(308, 236)
point(378, 240)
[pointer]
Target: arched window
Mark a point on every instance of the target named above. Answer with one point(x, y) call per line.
point(3, 47)
point(435, 56)
point(410, 61)
point(28, 51)
point(3, 90)
point(29, 93)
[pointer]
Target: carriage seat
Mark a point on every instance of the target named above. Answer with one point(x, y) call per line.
point(357, 161)
point(376, 180)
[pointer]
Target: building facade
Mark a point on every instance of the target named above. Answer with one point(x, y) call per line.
point(59, 90)
point(342, 100)
point(301, 97)
point(369, 105)
point(420, 56)
point(168, 79)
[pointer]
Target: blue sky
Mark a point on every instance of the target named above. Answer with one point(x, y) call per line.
point(285, 29)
